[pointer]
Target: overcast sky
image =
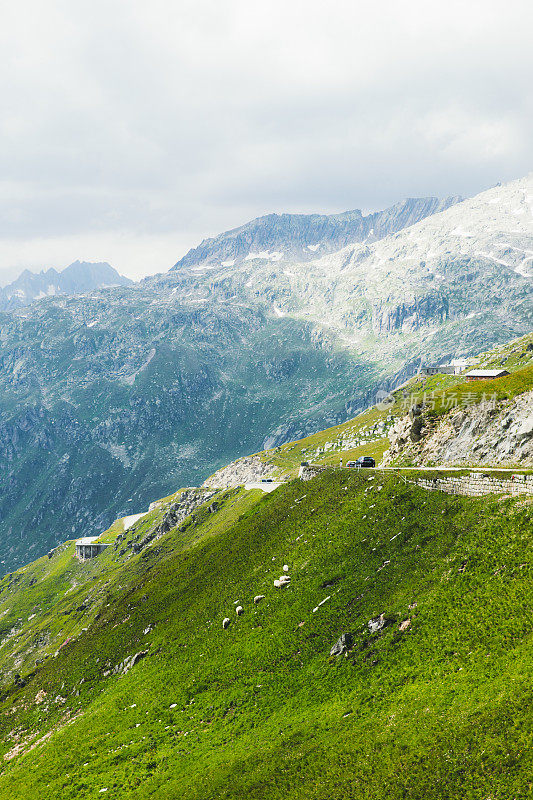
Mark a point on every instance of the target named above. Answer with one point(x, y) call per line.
point(131, 129)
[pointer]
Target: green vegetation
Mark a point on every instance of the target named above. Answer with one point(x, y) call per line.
point(438, 710)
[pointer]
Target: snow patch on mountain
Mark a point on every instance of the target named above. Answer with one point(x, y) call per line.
point(266, 255)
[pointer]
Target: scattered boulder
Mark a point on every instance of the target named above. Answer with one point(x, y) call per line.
point(239, 610)
point(282, 581)
point(342, 645)
point(404, 625)
point(377, 623)
point(331, 582)
point(225, 622)
point(258, 598)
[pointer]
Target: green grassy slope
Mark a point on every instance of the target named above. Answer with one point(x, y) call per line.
point(261, 710)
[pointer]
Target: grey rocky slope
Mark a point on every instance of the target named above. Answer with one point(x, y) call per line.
point(447, 286)
point(484, 434)
point(249, 469)
point(78, 277)
point(302, 237)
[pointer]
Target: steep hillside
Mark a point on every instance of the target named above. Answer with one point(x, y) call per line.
point(77, 278)
point(302, 237)
point(120, 678)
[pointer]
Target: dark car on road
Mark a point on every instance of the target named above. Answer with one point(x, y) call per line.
point(364, 461)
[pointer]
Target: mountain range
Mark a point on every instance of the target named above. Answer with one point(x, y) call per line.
point(303, 237)
point(113, 397)
point(78, 278)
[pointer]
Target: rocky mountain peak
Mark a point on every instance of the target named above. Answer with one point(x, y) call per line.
point(78, 277)
point(302, 237)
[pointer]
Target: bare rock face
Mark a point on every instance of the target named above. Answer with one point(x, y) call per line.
point(246, 470)
point(189, 501)
point(479, 434)
point(77, 278)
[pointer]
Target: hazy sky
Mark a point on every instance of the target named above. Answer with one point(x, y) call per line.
point(130, 130)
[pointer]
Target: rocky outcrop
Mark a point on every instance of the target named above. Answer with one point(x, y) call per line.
point(124, 667)
point(342, 645)
point(189, 500)
point(246, 470)
point(487, 433)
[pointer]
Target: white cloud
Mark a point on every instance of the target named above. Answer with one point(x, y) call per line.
point(132, 127)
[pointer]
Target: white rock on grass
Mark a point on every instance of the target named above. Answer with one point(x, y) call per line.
point(239, 610)
point(258, 598)
point(225, 622)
